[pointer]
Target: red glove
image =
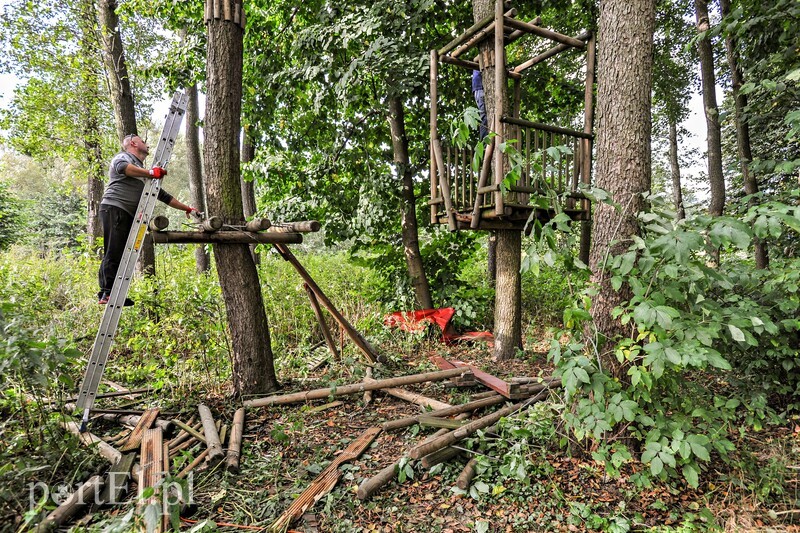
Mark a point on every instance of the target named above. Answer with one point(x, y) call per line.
point(158, 172)
point(192, 211)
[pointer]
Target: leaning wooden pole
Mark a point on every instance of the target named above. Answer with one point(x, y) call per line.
point(235, 443)
point(365, 347)
point(326, 332)
point(465, 431)
point(80, 498)
point(357, 388)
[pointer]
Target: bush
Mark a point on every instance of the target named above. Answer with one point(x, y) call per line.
point(11, 222)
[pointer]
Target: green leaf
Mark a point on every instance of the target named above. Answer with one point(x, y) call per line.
point(736, 333)
point(690, 474)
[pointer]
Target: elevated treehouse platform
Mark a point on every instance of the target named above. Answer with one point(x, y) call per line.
point(548, 165)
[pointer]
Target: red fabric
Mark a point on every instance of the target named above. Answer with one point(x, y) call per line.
point(415, 321)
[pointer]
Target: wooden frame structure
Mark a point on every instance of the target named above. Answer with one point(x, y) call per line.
point(465, 199)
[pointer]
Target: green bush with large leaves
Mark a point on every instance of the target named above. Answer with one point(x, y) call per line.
point(711, 348)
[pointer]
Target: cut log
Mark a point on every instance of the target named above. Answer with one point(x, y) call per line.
point(259, 224)
point(466, 475)
point(82, 497)
point(427, 420)
point(413, 397)
point(215, 453)
point(211, 224)
point(356, 388)
point(143, 423)
point(454, 410)
point(106, 451)
point(235, 444)
point(325, 481)
point(225, 237)
point(303, 226)
point(454, 436)
point(158, 223)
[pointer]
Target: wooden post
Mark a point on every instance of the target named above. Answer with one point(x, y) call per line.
point(486, 169)
point(434, 72)
point(499, 103)
point(586, 168)
point(235, 443)
point(466, 475)
point(258, 224)
point(356, 388)
point(215, 453)
point(454, 410)
point(301, 226)
point(444, 186)
point(365, 347)
point(326, 332)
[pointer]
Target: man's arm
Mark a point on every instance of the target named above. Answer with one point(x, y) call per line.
point(137, 172)
point(177, 204)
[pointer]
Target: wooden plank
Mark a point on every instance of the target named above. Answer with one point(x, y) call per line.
point(325, 481)
point(117, 480)
point(494, 383)
point(152, 465)
point(436, 422)
point(145, 422)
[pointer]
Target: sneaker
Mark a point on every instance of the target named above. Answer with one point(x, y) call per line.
point(104, 300)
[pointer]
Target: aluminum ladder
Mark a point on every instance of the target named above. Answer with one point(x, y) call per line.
point(122, 282)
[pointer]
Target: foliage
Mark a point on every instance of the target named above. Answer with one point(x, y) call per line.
point(58, 219)
point(10, 217)
point(710, 350)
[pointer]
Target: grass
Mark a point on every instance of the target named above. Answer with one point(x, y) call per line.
point(175, 338)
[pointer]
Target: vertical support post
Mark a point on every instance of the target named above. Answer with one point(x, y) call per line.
point(499, 100)
point(586, 169)
point(434, 72)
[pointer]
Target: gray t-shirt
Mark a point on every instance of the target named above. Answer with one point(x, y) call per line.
point(124, 191)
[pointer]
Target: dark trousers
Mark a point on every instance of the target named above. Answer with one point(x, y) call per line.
point(116, 227)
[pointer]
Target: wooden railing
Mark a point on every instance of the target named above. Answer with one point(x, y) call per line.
point(549, 161)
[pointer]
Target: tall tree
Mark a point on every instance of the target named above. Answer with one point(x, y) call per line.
point(742, 128)
point(194, 162)
point(408, 207)
point(116, 69)
point(705, 51)
point(624, 78)
point(673, 80)
point(253, 370)
point(508, 243)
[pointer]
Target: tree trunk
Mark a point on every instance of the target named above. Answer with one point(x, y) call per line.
point(122, 100)
point(408, 205)
point(248, 190)
point(91, 131)
point(508, 290)
point(116, 69)
point(706, 53)
point(742, 130)
point(625, 60)
point(253, 370)
point(675, 169)
point(194, 162)
point(507, 300)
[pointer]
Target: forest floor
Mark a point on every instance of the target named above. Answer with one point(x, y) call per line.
point(286, 447)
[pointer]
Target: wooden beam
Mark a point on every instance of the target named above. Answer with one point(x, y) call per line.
point(106, 451)
point(225, 237)
point(472, 65)
point(434, 112)
point(454, 410)
point(213, 442)
point(78, 499)
point(144, 423)
point(549, 53)
point(546, 127)
point(543, 32)
point(472, 30)
point(235, 443)
point(482, 34)
point(356, 388)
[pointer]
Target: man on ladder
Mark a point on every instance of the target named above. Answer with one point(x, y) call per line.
point(118, 208)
